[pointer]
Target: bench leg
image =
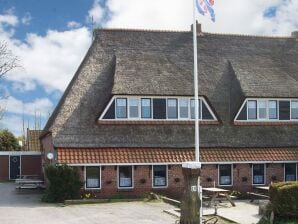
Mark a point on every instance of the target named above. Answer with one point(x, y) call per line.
point(230, 200)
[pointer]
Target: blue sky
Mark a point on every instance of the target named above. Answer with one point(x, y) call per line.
point(51, 38)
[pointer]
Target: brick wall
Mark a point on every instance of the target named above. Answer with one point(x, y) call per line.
point(242, 179)
point(4, 167)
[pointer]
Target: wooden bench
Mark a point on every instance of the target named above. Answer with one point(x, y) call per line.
point(231, 196)
point(253, 194)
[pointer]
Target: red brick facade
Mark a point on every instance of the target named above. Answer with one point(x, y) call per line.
point(242, 179)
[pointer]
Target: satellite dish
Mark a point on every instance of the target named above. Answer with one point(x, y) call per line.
point(50, 156)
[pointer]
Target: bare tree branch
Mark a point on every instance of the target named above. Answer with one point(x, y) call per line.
point(8, 62)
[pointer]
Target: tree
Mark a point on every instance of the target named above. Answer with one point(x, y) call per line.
point(8, 141)
point(8, 62)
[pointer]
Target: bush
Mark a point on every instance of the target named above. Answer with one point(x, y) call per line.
point(284, 198)
point(63, 183)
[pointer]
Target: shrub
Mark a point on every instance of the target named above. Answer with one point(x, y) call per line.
point(63, 183)
point(284, 198)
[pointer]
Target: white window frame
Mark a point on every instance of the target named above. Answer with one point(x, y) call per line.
point(245, 103)
point(285, 171)
point(116, 108)
point(232, 176)
point(202, 100)
point(132, 177)
point(167, 176)
point(85, 180)
point(128, 107)
point(293, 119)
point(252, 174)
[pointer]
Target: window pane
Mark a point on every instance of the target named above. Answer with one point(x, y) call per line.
point(192, 109)
point(294, 110)
point(225, 174)
point(243, 113)
point(290, 172)
point(284, 110)
point(262, 106)
point(159, 108)
point(183, 107)
point(146, 108)
point(92, 177)
point(272, 109)
point(125, 176)
point(252, 109)
point(121, 108)
point(159, 176)
point(110, 114)
point(172, 108)
point(206, 115)
point(134, 108)
point(258, 174)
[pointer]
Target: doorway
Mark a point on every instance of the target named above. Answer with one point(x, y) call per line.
point(15, 165)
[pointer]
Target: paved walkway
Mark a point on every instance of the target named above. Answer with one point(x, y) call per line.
point(245, 212)
point(27, 209)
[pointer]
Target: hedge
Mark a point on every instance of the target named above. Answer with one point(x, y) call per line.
point(63, 183)
point(284, 199)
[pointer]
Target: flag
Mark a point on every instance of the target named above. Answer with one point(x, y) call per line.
point(206, 7)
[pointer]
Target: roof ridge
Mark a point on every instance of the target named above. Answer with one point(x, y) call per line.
point(142, 30)
point(188, 31)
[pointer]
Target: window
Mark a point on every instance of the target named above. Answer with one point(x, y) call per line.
point(294, 110)
point(121, 111)
point(146, 108)
point(192, 108)
point(183, 108)
point(92, 177)
point(284, 110)
point(156, 108)
point(125, 176)
point(252, 109)
point(290, 172)
point(258, 173)
point(262, 107)
point(172, 108)
point(159, 108)
point(272, 109)
point(160, 176)
point(133, 108)
point(225, 174)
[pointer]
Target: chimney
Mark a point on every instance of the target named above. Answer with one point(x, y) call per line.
point(295, 34)
point(198, 26)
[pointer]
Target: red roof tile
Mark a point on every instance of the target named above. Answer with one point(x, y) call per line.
point(160, 155)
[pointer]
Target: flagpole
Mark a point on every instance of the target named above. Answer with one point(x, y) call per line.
point(196, 93)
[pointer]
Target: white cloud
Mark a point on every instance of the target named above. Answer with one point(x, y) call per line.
point(40, 106)
point(13, 123)
point(96, 13)
point(73, 24)
point(243, 17)
point(8, 19)
point(26, 19)
point(49, 60)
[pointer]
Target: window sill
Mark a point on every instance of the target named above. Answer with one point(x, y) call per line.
point(155, 122)
point(265, 123)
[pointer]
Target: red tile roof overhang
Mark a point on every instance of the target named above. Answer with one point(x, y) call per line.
point(114, 156)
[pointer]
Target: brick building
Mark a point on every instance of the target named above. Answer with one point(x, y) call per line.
point(126, 118)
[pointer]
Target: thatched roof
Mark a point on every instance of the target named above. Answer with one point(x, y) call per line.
point(132, 62)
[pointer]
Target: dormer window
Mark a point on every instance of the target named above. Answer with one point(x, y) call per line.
point(268, 110)
point(156, 108)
